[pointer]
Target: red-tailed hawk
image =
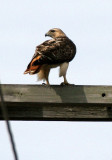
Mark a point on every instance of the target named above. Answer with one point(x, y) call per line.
point(58, 51)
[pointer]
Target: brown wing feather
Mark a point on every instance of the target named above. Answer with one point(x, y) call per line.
point(54, 51)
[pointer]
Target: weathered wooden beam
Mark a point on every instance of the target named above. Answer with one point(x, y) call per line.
point(77, 103)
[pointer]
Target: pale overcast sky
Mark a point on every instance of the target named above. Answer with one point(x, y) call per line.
point(23, 24)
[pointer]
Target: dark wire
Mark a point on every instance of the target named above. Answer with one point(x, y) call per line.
point(6, 118)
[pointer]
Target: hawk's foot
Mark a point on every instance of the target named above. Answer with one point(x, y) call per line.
point(63, 84)
point(66, 84)
point(44, 84)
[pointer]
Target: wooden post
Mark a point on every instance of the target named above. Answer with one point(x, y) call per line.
point(56, 103)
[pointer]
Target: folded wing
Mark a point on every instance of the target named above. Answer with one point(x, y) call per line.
point(54, 51)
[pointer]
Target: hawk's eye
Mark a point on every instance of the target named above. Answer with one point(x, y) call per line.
point(52, 30)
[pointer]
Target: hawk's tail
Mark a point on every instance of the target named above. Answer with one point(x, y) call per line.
point(31, 69)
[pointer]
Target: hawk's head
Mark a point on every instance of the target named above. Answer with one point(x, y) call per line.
point(55, 33)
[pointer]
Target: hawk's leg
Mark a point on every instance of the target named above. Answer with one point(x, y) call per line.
point(47, 70)
point(47, 82)
point(44, 74)
point(63, 70)
point(65, 81)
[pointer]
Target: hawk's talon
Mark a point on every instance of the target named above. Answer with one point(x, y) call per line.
point(44, 84)
point(64, 84)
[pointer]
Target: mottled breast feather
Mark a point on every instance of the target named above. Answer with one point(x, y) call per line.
point(55, 51)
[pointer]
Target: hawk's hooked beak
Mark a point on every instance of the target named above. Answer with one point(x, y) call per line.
point(46, 35)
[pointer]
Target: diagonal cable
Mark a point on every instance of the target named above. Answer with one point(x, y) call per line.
point(6, 118)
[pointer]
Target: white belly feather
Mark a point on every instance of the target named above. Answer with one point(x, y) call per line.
point(45, 69)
